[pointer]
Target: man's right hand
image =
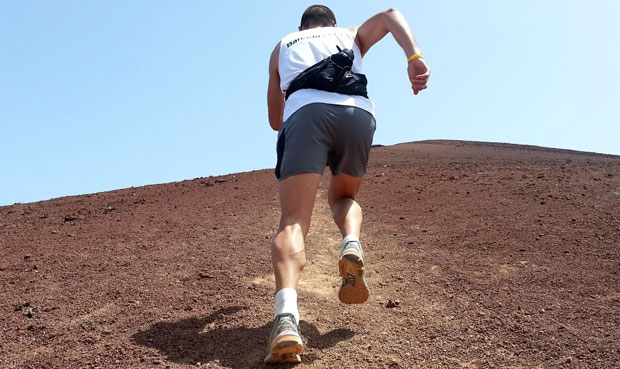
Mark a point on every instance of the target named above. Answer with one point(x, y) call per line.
point(418, 73)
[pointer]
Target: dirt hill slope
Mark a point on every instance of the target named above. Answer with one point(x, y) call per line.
point(480, 256)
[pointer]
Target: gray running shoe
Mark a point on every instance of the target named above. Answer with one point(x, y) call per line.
point(351, 266)
point(285, 343)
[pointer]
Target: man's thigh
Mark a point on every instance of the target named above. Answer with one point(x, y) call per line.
point(342, 186)
point(297, 194)
point(304, 142)
point(350, 150)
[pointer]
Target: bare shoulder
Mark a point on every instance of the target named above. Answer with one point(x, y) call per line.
point(353, 29)
point(371, 31)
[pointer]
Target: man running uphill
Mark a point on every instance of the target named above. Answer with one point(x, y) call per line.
point(317, 127)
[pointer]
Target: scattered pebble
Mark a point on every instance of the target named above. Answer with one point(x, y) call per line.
point(30, 311)
point(70, 218)
point(26, 309)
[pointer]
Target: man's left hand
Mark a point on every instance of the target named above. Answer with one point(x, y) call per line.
point(418, 73)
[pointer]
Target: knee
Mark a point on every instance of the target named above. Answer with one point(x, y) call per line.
point(343, 198)
point(343, 206)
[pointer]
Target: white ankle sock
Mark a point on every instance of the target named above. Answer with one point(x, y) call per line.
point(286, 302)
point(348, 238)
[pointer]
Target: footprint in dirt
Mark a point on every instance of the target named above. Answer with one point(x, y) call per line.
point(189, 341)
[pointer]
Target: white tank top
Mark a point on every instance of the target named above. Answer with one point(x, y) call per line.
point(300, 50)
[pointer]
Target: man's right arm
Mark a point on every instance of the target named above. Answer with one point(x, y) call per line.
point(275, 98)
point(393, 21)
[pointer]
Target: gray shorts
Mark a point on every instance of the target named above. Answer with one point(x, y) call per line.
point(319, 134)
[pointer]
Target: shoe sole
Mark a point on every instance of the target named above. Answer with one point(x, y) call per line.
point(285, 349)
point(354, 289)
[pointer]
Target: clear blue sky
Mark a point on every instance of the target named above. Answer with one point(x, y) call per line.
point(101, 95)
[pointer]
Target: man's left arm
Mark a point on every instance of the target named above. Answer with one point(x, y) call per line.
point(275, 98)
point(392, 21)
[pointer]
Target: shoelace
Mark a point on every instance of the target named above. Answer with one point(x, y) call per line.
point(353, 245)
point(286, 324)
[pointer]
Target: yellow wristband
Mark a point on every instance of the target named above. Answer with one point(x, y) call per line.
point(414, 56)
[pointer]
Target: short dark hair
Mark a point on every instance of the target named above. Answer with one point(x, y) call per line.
point(318, 15)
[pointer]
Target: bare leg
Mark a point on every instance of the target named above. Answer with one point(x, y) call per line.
point(348, 217)
point(297, 194)
point(346, 211)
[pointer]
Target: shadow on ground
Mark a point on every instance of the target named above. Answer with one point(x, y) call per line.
point(212, 339)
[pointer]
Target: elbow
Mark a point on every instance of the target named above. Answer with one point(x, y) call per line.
point(391, 12)
point(389, 17)
point(275, 112)
point(275, 123)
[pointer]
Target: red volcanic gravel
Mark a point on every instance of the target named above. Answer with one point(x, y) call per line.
point(479, 256)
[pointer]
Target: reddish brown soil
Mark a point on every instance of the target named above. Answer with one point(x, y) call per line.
point(492, 255)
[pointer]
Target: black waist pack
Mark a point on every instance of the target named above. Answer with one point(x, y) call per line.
point(332, 74)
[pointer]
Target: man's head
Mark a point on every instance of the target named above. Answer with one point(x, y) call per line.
point(317, 16)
